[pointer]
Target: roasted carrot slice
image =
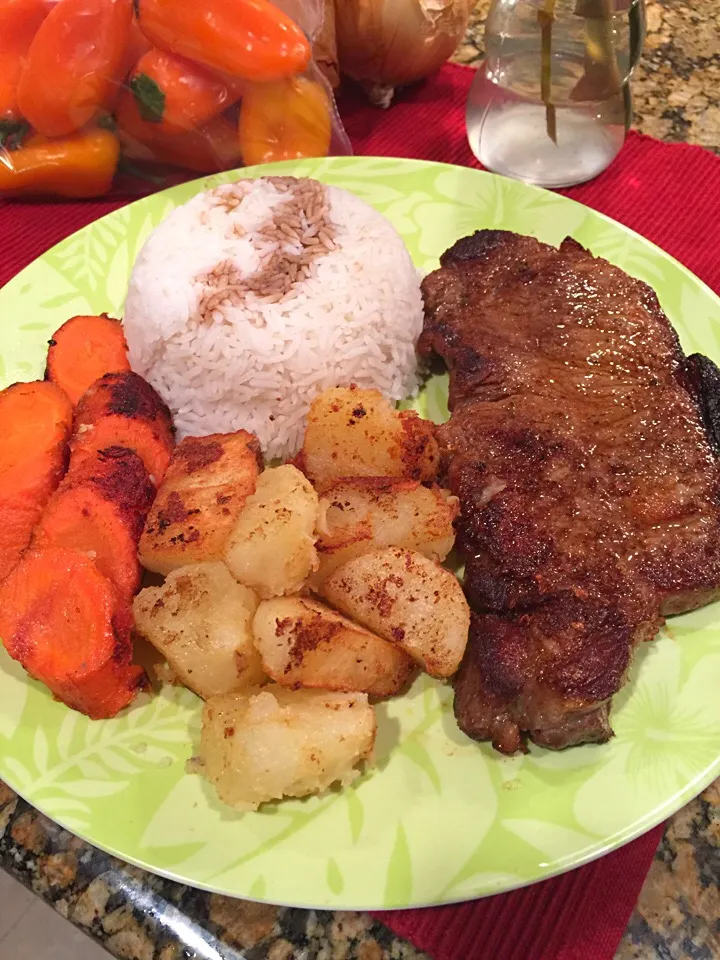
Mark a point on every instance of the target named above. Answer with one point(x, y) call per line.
point(64, 622)
point(114, 685)
point(82, 350)
point(122, 409)
point(35, 421)
point(100, 509)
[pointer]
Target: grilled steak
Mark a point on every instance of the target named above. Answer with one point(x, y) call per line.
point(583, 446)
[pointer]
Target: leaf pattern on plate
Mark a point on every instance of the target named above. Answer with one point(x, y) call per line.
point(551, 839)
point(666, 733)
point(356, 814)
point(398, 885)
point(15, 687)
point(437, 818)
point(84, 258)
point(335, 880)
point(257, 889)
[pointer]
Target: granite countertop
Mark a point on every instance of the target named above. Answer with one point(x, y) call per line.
point(141, 917)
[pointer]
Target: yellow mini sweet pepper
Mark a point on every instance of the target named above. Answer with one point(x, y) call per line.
point(80, 165)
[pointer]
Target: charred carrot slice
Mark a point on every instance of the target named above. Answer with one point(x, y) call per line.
point(122, 409)
point(64, 622)
point(114, 685)
point(106, 693)
point(100, 509)
point(82, 350)
point(35, 421)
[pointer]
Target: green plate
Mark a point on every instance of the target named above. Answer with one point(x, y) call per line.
point(438, 818)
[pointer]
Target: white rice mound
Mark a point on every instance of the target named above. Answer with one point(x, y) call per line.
point(258, 364)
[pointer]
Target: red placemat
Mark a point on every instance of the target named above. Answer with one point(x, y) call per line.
point(668, 192)
point(579, 916)
point(671, 194)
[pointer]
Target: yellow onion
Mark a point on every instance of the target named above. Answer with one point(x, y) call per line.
point(388, 43)
point(325, 47)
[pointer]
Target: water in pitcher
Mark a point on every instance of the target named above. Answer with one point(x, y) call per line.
point(551, 102)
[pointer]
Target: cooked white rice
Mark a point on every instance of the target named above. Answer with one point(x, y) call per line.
point(257, 359)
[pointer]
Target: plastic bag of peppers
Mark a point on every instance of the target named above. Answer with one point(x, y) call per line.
point(131, 95)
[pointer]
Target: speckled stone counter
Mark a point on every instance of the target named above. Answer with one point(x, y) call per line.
point(140, 917)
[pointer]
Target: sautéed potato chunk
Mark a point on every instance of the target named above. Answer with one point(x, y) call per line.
point(361, 515)
point(272, 546)
point(357, 433)
point(303, 643)
point(407, 599)
point(266, 744)
point(200, 619)
point(203, 493)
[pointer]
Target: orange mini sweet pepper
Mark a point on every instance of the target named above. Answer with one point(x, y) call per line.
point(177, 94)
point(285, 120)
point(73, 63)
point(249, 39)
point(80, 165)
point(19, 22)
point(207, 149)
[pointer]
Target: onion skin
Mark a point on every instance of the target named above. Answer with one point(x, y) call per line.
point(390, 43)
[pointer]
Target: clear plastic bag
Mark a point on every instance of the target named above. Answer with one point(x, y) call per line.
point(103, 97)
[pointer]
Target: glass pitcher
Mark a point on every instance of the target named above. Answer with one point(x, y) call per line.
point(551, 102)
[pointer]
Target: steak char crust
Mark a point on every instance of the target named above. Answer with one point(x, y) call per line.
point(583, 445)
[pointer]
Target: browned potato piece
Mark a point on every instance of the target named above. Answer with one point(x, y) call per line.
point(266, 744)
point(272, 546)
point(357, 516)
point(357, 433)
point(303, 643)
point(407, 599)
point(200, 499)
point(200, 619)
